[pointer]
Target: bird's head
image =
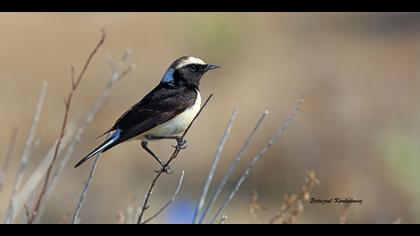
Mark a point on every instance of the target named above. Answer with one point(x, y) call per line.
point(186, 71)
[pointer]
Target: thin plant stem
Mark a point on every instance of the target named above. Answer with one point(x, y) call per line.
point(76, 215)
point(181, 179)
point(233, 166)
point(26, 154)
point(117, 73)
point(214, 164)
point(8, 157)
point(68, 102)
point(248, 170)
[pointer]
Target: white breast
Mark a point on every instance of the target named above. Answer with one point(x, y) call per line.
point(178, 124)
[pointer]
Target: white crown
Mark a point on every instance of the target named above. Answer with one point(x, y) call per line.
point(190, 60)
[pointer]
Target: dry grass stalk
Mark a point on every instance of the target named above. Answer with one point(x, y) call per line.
point(292, 206)
point(76, 216)
point(254, 207)
point(259, 155)
point(11, 211)
point(344, 212)
point(74, 86)
point(214, 164)
point(130, 213)
point(28, 190)
point(121, 218)
point(229, 172)
point(8, 157)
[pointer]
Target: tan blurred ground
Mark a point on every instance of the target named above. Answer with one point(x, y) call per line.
point(359, 127)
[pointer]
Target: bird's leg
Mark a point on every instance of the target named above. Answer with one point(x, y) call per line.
point(165, 168)
point(181, 142)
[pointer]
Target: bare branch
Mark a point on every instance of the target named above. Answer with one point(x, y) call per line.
point(214, 164)
point(181, 179)
point(258, 157)
point(64, 125)
point(233, 166)
point(86, 187)
point(8, 157)
point(91, 55)
point(162, 170)
point(117, 73)
point(26, 153)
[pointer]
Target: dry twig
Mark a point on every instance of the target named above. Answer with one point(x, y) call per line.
point(74, 85)
point(86, 187)
point(181, 179)
point(164, 167)
point(119, 69)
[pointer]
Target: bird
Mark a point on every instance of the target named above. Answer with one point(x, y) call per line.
point(164, 113)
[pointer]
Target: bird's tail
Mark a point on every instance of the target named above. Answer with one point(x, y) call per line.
point(110, 142)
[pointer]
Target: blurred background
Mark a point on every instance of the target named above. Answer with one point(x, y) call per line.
point(358, 129)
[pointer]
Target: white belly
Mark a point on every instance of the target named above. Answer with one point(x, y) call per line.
point(176, 125)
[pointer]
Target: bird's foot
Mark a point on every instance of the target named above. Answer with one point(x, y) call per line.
point(181, 143)
point(165, 169)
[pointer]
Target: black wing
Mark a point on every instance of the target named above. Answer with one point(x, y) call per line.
point(160, 105)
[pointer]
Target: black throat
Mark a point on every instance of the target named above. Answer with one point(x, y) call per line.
point(186, 79)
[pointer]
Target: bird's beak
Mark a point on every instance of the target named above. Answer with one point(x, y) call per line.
point(211, 67)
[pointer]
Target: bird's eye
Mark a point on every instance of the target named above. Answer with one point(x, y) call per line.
point(193, 67)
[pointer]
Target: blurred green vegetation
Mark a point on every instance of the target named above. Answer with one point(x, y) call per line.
point(401, 152)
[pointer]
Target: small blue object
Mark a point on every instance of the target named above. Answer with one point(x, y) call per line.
point(180, 212)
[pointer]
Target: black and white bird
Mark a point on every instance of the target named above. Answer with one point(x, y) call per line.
point(164, 112)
